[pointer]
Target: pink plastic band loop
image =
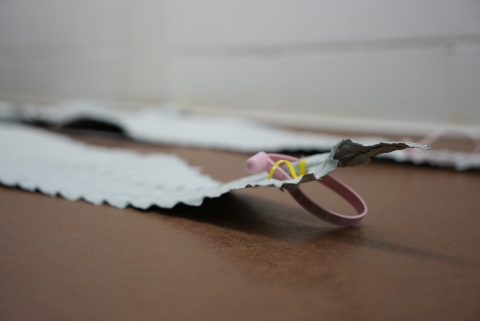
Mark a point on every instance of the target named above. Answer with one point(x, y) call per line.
point(442, 133)
point(263, 161)
point(332, 217)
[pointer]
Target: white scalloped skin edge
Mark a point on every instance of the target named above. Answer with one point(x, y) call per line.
point(53, 164)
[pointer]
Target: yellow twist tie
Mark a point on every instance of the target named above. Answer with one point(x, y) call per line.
point(303, 171)
point(290, 167)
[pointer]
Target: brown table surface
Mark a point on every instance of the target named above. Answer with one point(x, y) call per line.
point(249, 255)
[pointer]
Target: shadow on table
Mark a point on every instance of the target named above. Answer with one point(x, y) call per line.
point(255, 216)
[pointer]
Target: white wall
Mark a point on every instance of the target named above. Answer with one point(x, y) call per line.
point(103, 49)
point(413, 60)
point(59, 48)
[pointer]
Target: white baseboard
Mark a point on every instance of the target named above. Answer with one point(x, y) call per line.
point(304, 120)
point(338, 123)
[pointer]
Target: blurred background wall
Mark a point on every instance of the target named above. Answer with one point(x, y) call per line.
point(410, 61)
